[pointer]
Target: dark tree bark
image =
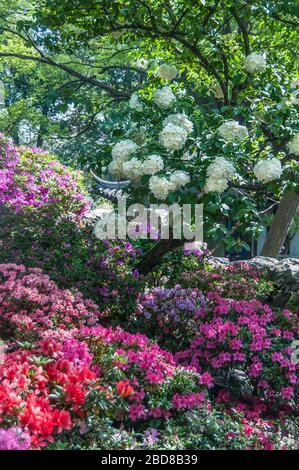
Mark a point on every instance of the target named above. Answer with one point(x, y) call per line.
point(154, 256)
point(280, 225)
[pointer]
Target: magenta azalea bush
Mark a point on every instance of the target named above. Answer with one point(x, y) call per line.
point(33, 179)
point(248, 344)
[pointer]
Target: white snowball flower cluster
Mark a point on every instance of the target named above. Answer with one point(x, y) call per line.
point(294, 145)
point(152, 165)
point(121, 152)
point(135, 103)
point(160, 186)
point(173, 137)
point(255, 63)
point(218, 174)
point(123, 149)
point(216, 186)
point(179, 178)
point(164, 97)
point(179, 120)
point(232, 131)
point(167, 72)
point(142, 63)
point(132, 168)
point(268, 170)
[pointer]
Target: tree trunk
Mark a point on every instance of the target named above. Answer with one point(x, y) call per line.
point(280, 225)
point(153, 257)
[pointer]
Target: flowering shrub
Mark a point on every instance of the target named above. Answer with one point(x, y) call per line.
point(29, 301)
point(238, 281)
point(248, 346)
point(225, 428)
point(169, 315)
point(65, 378)
point(74, 258)
point(58, 372)
point(14, 439)
point(33, 179)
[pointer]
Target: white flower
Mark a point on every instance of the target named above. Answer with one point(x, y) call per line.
point(115, 168)
point(179, 120)
point(134, 102)
point(179, 178)
point(164, 98)
point(167, 72)
point(214, 185)
point(152, 165)
point(142, 63)
point(221, 168)
point(132, 168)
point(232, 131)
point(173, 137)
point(255, 63)
point(123, 149)
point(294, 145)
point(160, 186)
point(268, 170)
point(218, 174)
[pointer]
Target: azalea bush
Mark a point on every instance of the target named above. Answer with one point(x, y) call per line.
point(228, 429)
point(75, 259)
point(33, 181)
point(239, 281)
point(169, 315)
point(62, 368)
point(247, 346)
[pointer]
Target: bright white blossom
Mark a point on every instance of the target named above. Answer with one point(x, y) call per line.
point(179, 178)
point(152, 165)
point(142, 63)
point(123, 149)
point(268, 170)
point(221, 168)
point(167, 72)
point(218, 174)
point(133, 168)
point(160, 186)
point(232, 131)
point(179, 120)
point(294, 145)
point(214, 185)
point(135, 103)
point(173, 137)
point(164, 97)
point(255, 63)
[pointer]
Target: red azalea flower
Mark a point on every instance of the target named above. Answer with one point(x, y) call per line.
point(124, 388)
